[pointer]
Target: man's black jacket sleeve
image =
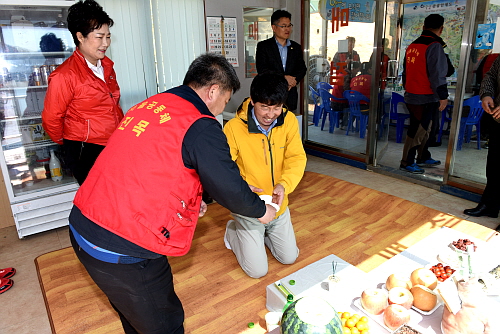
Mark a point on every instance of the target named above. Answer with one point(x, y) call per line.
point(205, 149)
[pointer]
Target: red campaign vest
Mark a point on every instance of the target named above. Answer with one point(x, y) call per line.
point(362, 83)
point(139, 187)
point(417, 81)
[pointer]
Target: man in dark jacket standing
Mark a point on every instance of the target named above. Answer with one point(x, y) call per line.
point(424, 79)
point(282, 55)
point(141, 201)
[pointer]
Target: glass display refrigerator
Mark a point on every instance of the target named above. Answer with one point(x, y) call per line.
point(34, 40)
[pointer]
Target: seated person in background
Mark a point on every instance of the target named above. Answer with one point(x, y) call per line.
point(362, 84)
point(262, 125)
point(338, 91)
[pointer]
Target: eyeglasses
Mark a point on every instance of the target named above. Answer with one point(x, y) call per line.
point(285, 26)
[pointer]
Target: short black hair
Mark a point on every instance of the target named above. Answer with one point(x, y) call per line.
point(277, 15)
point(212, 69)
point(269, 88)
point(85, 17)
point(50, 43)
point(433, 21)
point(366, 67)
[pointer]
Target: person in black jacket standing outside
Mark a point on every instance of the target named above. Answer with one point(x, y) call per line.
point(490, 97)
point(282, 55)
point(424, 79)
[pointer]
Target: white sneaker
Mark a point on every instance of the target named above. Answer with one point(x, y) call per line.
point(226, 242)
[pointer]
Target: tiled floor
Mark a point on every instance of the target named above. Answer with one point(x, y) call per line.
point(469, 163)
point(23, 310)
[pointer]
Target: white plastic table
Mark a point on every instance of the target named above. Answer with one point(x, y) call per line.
point(312, 279)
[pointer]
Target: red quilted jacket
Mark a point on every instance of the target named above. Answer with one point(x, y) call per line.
point(78, 105)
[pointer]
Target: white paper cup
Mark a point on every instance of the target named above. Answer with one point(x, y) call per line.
point(268, 199)
point(272, 320)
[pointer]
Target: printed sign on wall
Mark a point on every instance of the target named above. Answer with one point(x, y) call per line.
point(485, 36)
point(359, 10)
point(222, 38)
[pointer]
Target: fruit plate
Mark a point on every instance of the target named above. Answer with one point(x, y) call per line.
point(415, 318)
point(439, 303)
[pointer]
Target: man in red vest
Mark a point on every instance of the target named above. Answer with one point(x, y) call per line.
point(424, 79)
point(141, 201)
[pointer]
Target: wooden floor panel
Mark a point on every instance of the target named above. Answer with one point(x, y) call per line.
point(330, 216)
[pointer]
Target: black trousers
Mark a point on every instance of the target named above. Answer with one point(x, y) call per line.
point(422, 124)
point(80, 157)
point(142, 293)
point(491, 195)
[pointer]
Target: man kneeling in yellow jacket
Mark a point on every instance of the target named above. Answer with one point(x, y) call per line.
point(265, 143)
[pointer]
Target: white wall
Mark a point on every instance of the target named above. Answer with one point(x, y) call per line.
point(132, 50)
point(153, 43)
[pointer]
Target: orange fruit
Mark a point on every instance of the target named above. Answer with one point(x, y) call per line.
point(346, 315)
point(366, 331)
point(361, 326)
point(346, 330)
point(350, 323)
point(354, 330)
point(343, 320)
point(364, 319)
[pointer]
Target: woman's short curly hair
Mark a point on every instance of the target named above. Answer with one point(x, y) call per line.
point(85, 17)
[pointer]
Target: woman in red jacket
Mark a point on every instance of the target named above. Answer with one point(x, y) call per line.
point(81, 108)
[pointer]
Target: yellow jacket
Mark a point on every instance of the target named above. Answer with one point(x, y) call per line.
point(264, 161)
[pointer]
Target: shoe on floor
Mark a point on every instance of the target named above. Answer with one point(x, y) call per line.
point(226, 242)
point(481, 210)
point(429, 163)
point(5, 284)
point(7, 272)
point(414, 169)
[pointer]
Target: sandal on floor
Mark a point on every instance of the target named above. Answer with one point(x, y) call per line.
point(7, 272)
point(5, 284)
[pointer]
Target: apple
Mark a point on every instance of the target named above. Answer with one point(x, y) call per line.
point(425, 277)
point(401, 296)
point(423, 298)
point(398, 280)
point(395, 315)
point(374, 300)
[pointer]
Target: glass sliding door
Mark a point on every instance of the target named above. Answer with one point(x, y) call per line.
point(387, 65)
point(470, 129)
point(339, 63)
point(410, 27)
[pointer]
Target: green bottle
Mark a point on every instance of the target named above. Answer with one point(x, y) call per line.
point(289, 300)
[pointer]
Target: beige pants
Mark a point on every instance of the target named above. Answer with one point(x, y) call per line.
point(248, 238)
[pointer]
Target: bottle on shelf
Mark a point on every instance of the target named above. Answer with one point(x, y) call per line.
point(37, 79)
point(55, 167)
point(289, 300)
